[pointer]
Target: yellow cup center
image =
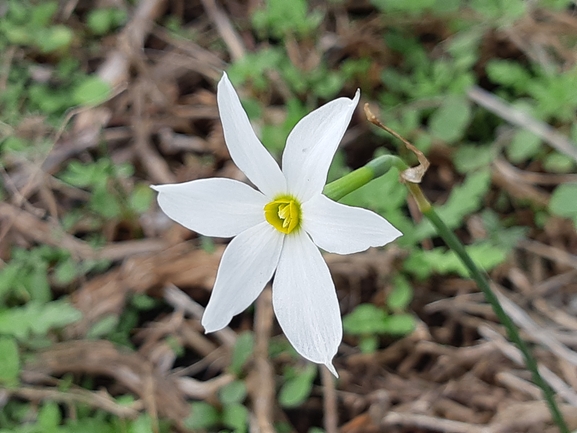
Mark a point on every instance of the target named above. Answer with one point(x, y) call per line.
point(284, 214)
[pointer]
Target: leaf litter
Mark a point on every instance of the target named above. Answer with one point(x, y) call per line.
point(455, 372)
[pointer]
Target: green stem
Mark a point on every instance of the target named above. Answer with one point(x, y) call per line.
point(482, 281)
point(361, 176)
point(379, 166)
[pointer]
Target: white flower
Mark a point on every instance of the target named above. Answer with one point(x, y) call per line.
point(278, 228)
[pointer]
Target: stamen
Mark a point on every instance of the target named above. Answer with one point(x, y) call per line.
point(283, 214)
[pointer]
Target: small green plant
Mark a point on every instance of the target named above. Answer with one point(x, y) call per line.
point(242, 352)
point(368, 321)
point(298, 385)
point(280, 18)
point(103, 20)
point(47, 418)
point(564, 201)
point(232, 414)
point(109, 196)
point(30, 25)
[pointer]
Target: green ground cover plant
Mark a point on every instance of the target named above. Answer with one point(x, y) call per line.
point(497, 184)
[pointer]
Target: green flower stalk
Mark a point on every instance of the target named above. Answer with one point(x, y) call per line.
point(412, 177)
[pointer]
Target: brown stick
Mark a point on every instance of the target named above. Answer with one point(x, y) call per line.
point(262, 374)
point(225, 28)
point(331, 421)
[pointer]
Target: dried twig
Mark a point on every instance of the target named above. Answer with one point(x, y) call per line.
point(523, 321)
point(509, 113)
point(154, 164)
point(511, 352)
point(331, 419)
point(261, 378)
point(44, 232)
point(128, 368)
point(225, 28)
point(180, 300)
point(433, 423)
point(100, 399)
point(555, 254)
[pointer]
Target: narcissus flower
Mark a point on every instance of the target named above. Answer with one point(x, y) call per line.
point(279, 228)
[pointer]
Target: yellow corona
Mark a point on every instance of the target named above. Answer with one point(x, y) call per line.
point(284, 214)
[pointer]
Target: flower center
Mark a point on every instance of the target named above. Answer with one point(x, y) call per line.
point(284, 214)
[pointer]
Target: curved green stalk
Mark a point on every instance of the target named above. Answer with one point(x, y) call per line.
point(361, 176)
point(483, 282)
point(379, 166)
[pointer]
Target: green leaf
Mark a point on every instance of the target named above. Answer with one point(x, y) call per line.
point(424, 263)
point(142, 424)
point(41, 14)
point(296, 390)
point(235, 416)
point(233, 392)
point(280, 17)
point(103, 327)
point(564, 200)
point(400, 324)
point(412, 7)
point(464, 199)
point(500, 10)
point(242, 351)
point(103, 20)
point(9, 277)
point(368, 344)
point(254, 66)
point(38, 286)
point(91, 91)
point(54, 315)
point(472, 157)
point(105, 203)
point(35, 318)
point(450, 120)
point(202, 416)
point(49, 416)
point(55, 38)
point(66, 271)
point(10, 362)
point(524, 146)
point(559, 163)
point(143, 302)
point(401, 295)
point(555, 95)
point(141, 198)
point(508, 73)
point(365, 319)
point(500, 236)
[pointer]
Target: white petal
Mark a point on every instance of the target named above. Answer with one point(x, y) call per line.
point(312, 144)
point(244, 147)
point(305, 301)
point(247, 264)
point(212, 207)
point(342, 229)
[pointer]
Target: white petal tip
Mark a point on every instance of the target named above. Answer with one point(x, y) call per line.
point(224, 80)
point(395, 235)
point(386, 237)
point(155, 187)
point(212, 327)
point(332, 369)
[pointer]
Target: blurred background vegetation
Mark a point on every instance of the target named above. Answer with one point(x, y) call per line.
point(100, 294)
